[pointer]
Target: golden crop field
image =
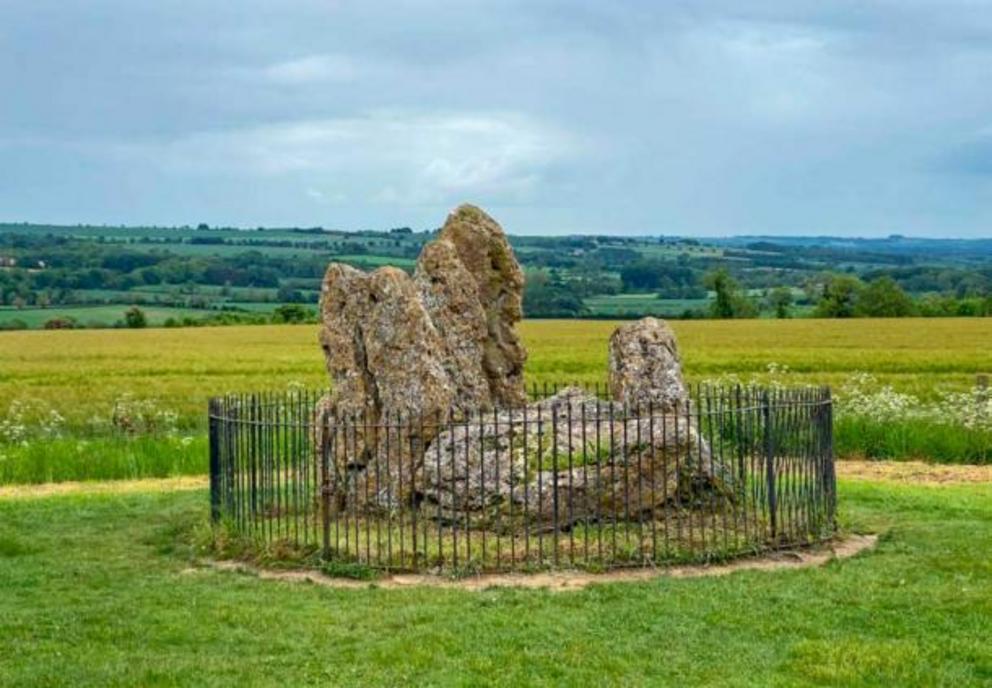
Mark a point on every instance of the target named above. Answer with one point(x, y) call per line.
point(82, 372)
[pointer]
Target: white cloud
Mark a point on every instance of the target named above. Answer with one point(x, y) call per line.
point(312, 69)
point(397, 157)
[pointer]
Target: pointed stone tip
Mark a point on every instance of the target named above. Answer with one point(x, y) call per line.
point(468, 211)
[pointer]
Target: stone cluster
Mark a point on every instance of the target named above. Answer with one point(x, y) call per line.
point(400, 347)
point(405, 353)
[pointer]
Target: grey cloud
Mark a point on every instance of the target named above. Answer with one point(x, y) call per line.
point(694, 117)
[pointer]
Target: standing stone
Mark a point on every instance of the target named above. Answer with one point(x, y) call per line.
point(470, 270)
point(450, 295)
point(645, 367)
point(384, 358)
point(399, 350)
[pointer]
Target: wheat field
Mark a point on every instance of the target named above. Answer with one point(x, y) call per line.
point(81, 373)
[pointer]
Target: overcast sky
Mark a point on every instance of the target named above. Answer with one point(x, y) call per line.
point(701, 118)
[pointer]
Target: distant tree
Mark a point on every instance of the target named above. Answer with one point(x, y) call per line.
point(729, 302)
point(884, 298)
point(291, 313)
point(287, 294)
point(545, 297)
point(202, 226)
point(780, 299)
point(60, 324)
point(840, 297)
point(135, 318)
point(724, 287)
point(15, 324)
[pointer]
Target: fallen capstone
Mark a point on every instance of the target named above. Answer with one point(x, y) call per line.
point(569, 458)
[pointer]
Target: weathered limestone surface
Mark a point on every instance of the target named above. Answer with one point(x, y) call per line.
point(449, 294)
point(573, 450)
point(384, 357)
point(401, 347)
point(472, 287)
point(403, 352)
point(645, 368)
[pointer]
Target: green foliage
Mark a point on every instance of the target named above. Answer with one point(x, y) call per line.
point(884, 298)
point(546, 296)
point(135, 318)
point(902, 440)
point(293, 313)
point(229, 270)
point(780, 299)
point(840, 297)
point(673, 279)
point(102, 458)
point(729, 302)
point(61, 324)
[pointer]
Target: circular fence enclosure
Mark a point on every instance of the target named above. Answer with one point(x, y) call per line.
point(572, 480)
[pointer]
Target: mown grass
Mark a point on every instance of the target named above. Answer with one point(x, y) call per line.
point(80, 374)
point(98, 590)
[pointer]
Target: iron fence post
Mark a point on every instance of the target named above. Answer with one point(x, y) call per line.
point(766, 412)
point(830, 477)
point(214, 437)
point(325, 484)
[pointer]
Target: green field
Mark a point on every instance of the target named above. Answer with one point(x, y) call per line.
point(106, 316)
point(617, 305)
point(76, 371)
point(106, 584)
point(106, 589)
point(60, 390)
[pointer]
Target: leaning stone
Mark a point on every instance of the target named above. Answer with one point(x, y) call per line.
point(450, 296)
point(563, 460)
point(480, 247)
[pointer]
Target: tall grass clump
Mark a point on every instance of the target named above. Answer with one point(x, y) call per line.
point(875, 421)
point(134, 438)
point(872, 420)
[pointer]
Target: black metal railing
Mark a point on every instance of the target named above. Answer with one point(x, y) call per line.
point(570, 480)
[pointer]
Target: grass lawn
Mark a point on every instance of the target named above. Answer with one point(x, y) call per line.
point(96, 590)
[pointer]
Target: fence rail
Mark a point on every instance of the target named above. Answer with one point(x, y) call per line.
point(570, 480)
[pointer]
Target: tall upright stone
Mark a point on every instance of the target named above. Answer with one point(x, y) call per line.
point(384, 358)
point(414, 348)
point(450, 296)
point(645, 367)
point(468, 271)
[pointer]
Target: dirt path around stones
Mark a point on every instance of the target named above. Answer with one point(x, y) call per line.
point(894, 471)
point(916, 472)
point(561, 581)
point(107, 487)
